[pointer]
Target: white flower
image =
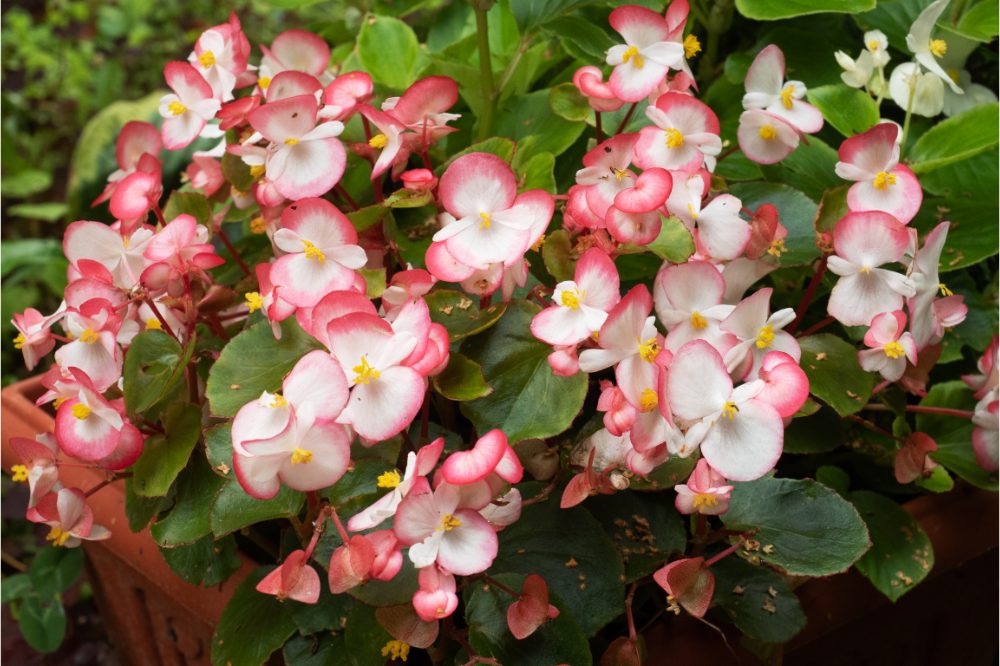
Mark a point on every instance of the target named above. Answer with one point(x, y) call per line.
point(927, 50)
point(927, 90)
point(856, 72)
point(877, 45)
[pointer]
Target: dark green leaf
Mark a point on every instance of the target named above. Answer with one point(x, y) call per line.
point(164, 457)
point(757, 600)
point(237, 172)
point(531, 14)
point(460, 314)
point(583, 39)
point(205, 562)
point(972, 236)
point(54, 569)
point(188, 203)
point(674, 243)
point(770, 10)
point(530, 115)
point(810, 168)
point(154, 364)
point(321, 650)
point(42, 623)
point(834, 478)
point(393, 592)
point(328, 614)
point(395, 66)
point(462, 379)
point(956, 138)
point(557, 255)
point(14, 587)
point(953, 434)
point(219, 449)
point(796, 212)
point(645, 528)
point(359, 485)
point(252, 626)
point(189, 519)
point(500, 146)
point(850, 110)
point(233, 509)
point(364, 637)
point(831, 364)
point(367, 217)
point(817, 433)
point(140, 510)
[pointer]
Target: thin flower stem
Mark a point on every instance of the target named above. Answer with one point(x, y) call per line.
point(339, 525)
point(725, 553)
point(597, 126)
point(107, 482)
point(881, 387)
point(871, 426)
point(628, 611)
point(628, 117)
point(163, 322)
point(807, 297)
point(909, 111)
point(818, 326)
point(232, 251)
point(922, 409)
point(318, 527)
point(159, 214)
point(500, 586)
point(726, 153)
point(487, 89)
point(347, 197)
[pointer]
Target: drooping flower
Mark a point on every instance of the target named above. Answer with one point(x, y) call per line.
point(930, 315)
point(912, 460)
point(294, 579)
point(178, 253)
point(532, 609)
point(491, 454)
point(137, 138)
point(986, 434)
point(38, 468)
point(435, 599)
point(705, 492)
point(926, 49)
point(589, 80)
point(989, 371)
point(910, 88)
point(94, 348)
point(687, 582)
point(34, 335)
point(69, 518)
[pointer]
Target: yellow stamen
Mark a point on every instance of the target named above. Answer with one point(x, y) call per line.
point(729, 410)
point(291, 141)
point(786, 96)
point(873, 45)
point(538, 243)
point(254, 301)
point(176, 108)
point(153, 324)
point(396, 650)
point(449, 522)
point(207, 59)
point(20, 473)
point(365, 373)
point(938, 47)
point(765, 337)
point(692, 212)
point(893, 349)
point(648, 400)
point(58, 402)
point(864, 270)
point(264, 82)
point(58, 537)
point(81, 411)
point(486, 221)
point(705, 501)
point(278, 400)
point(945, 291)
point(313, 252)
point(633, 54)
point(378, 141)
point(674, 137)
point(619, 173)
point(698, 321)
point(89, 336)
point(571, 299)
point(767, 132)
point(648, 350)
point(301, 456)
point(258, 225)
point(777, 248)
point(257, 170)
point(692, 46)
point(390, 479)
point(883, 180)
point(19, 341)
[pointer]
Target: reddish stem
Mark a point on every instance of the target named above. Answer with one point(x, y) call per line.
point(163, 322)
point(597, 123)
point(159, 214)
point(347, 197)
point(628, 117)
point(500, 586)
point(807, 297)
point(725, 553)
point(628, 612)
point(818, 326)
point(318, 531)
point(922, 409)
point(107, 482)
point(338, 524)
point(232, 251)
point(726, 153)
point(881, 387)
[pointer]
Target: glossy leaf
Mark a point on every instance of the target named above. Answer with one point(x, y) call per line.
point(367, 217)
point(165, 456)
point(188, 203)
point(795, 210)
point(954, 434)
point(395, 67)
point(189, 518)
point(252, 626)
point(557, 255)
point(831, 364)
point(770, 10)
point(850, 110)
point(205, 562)
point(957, 138)
point(973, 235)
point(233, 509)
point(460, 313)
point(154, 364)
point(674, 243)
point(645, 528)
point(567, 102)
point(757, 600)
point(364, 637)
point(529, 115)
point(462, 379)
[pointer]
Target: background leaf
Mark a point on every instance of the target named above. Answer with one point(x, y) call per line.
point(831, 364)
point(252, 626)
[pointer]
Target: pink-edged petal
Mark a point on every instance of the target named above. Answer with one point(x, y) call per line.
point(766, 72)
point(631, 83)
point(597, 277)
point(470, 548)
point(427, 97)
point(444, 266)
point(179, 131)
point(899, 194)
point(258, 475)
point(560, 326)
point(477, 183)
point(186, 82)
point(857, 298)
point(870, 239)
point(650, 191)
point(885, 327)
point(330, 446)
point(722, 233)
point(302, 50)
point(311, 168)
point(639, 26)
point(316, 387)
point(747, 446)
point(304, 281)
point(698, 384)
point(626, 320)
point(291, 83)
point(382, 408)
point(135, 139)
point(862, 156)
point(289, 118)
point(786, 386)
point(765, 138)
point(464, 467)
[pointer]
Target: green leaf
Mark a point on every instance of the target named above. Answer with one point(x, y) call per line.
point(536, 173)
point(566, 102)
point(219, 449)
point(956, 138)
point(389, 51)
point(531, 14)
point(140, 510)
point(757, 600)
point(328, 614)
point(834, 478)
point(154, 364)
point(796, 212)
point(832, 207)
point(405, 198)
point(374, 281)
point(205, 562)
point(26, 183)
point(558, 641)
point(817, 433)
point(253, 362)
point(359, 485)
point(770, 10)
point(367, 217)
point(645, 528)
point(164, 457)
point(237, 172)
point(189, 519)
point(810, 167)
point(252, 626)
point(43, 623)
point(581, 38)
point(973, 178)
point(462, 379)
point(939, 481)
point(321, 650)
point(953, 434)
point(528, 400)
point(16, 587)
point(557, 255)
point(901, 554)
point(188, 203)
point(364, 637)
point(46, 212)
point(831, 364)
point(393, 592)
point(460, 314)
point(850, 110)
point(803, 527)
point(530, 115)
point(980, 22)
point(54, 569)
point(568, 548)
point(500, 146)
point(674, 242)
point(973, 235)
point(233, 509)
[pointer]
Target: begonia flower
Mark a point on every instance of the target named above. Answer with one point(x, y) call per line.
point(687, 582)
point(38, 468)
point(220, 56)
point(689, 303)
point(767, 90)
point(34, 335)
point(435, 599)
point(647, 55)
point(136, 138)
point(685, 135)
point(989, 371)
point(705, 492)
point(890, 347)
point(582, 304)
point(921, 93)
point(589, 80)
point(986, 434)
point(913, 460)
point(177, 253)
point(872, 159)
point(94, 429)
point(418, 464)
point(757, 332)
point(532, 609)
point(766, 138)
point(69, 518)
point(930, 315)
point(294, 579)
point(926, 49)
point(188, 108)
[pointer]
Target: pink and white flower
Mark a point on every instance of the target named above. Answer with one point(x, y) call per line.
point(582, 304)
point(647, 55)
point(589, 80)
point(758, 333)
point(890, 347)
point(220, 56)
point(766, 138)
point(294, 579)
point(178, 253)
point(136, 139)
point(188, 108)
point(872, 159)
point(705, 492)
point(929, 315)
point(91, 428)
point(767, 89)
point(39, 467)
point(418, 465)
point(685, 136)
point(34, 335)
point(436, 598)
point(70, 519)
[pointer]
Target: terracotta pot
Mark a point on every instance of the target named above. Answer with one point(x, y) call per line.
point(152, 615)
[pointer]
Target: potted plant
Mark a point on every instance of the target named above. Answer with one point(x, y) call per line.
point(399, 379)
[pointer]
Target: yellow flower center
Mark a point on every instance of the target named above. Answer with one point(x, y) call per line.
point(786, 96)
point(449, 522)
point(301, 456)
point(20, 473)
point(291, 141)
point(945, 291)
point(19, 341)
point(278, 400)
point(254, 301)
point(264, 82)
point(390, 479)
point(648, 350)
point(256, 171)
point(58, 402)
point(258, 225)
point(729, 410)
point(58, 536)
point(153, 324)
point(705, 501)
point(893, 349)
point(633, 54)
point(698, 321)
point(176, 108)
point(313, 252)
point(884, 179)
point(776, 248)
point(485, 221)
point(674, 137)
point(81, 411)
point(873, 45)
point(207, 59)
point(938, 47)
point(571, 299)
point(538, 243)
point(692, 46)
point(765, 337)
point(89, 336)
point(648, 400)
point(767, 132)
point(619, 173)
point(396, 650)
point(864, 270)
point(365, 373)
point(378, 141)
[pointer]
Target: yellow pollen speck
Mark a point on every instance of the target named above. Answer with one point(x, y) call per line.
point(264, 82)
point(692, 46)
point(538, 243)
point(19, 341)
point(945, 291)
point(674, 137)
point(938, 47)
point(633, 54)
point(254, 301)
point(777, 248)
point(449, 522)
point(58, 402)
point(313, 252)
point(258, 225)
point(301, 456)
point(365, 373)
point(486, 221)
point(176, 108)
point(378, 141)
point(705, 501)
point(396, 650)
point(864, 270)
point(698, 321)
point(89, 336)
point(729, 410)
point(58, 536)
point(648, 400)
point(390, 479)
point(883, 180)
point(291, 141)
point(571, 299)
point(648, 350)
point(20, 473)
point(893, 349)
point(81, 411)
point(767, 132)
point(153, 324)
point(765, 337)
point(786, 96)
point(278, 400)
point(207, 59)
point(257, 170)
